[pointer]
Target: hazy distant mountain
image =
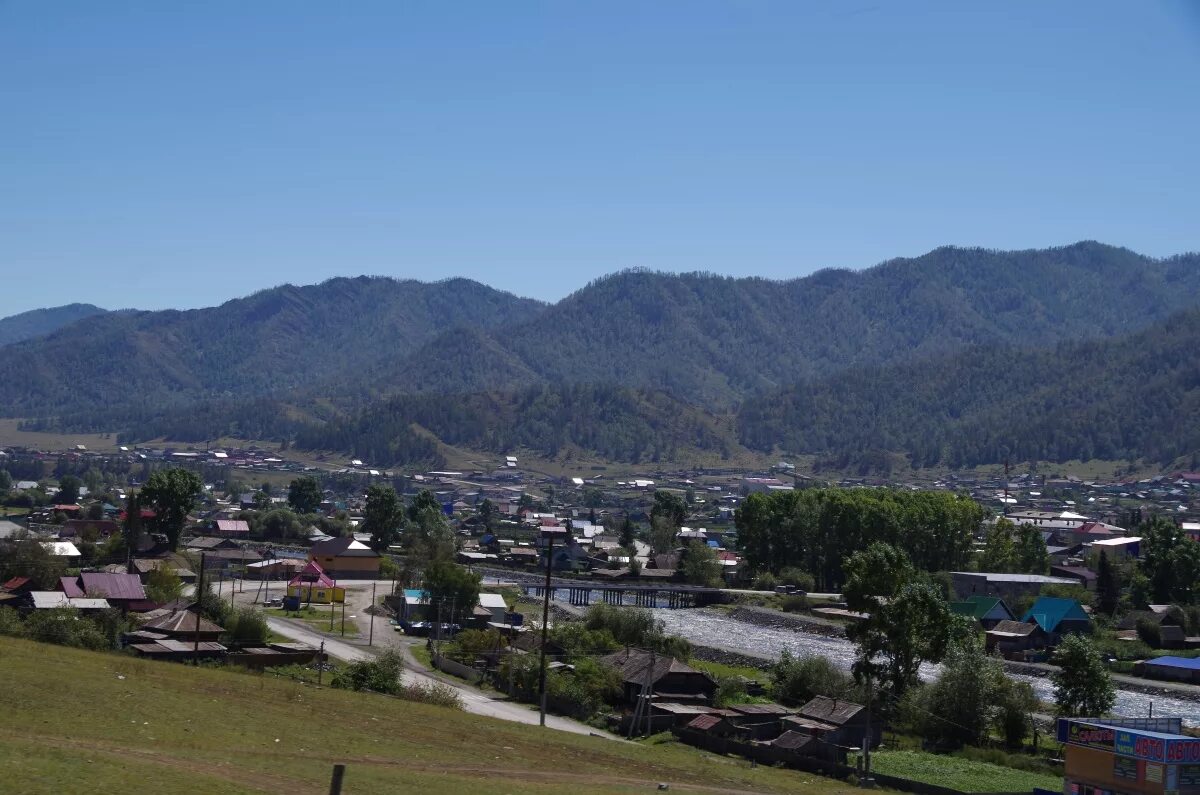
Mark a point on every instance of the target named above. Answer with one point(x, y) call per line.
point(37, 322)
point(276, 340)
point(638, 365)
point(712, 341)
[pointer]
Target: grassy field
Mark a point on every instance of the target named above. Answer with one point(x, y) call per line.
point(86, 722)
point(960, 774)
point(317, 618)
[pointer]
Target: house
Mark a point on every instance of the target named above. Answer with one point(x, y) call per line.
point(143, 567)
point(312, 584)
point(124, 591)
point(1012, 637)
point(849, 721)
point(49, 600)
point(987, 610)
point(1174, 669)
point(346, 558)
point(62, 549)
point(1170, 624)
point(494, 605)
point(10, 529)
point(1119, 548)
point(237, 528)
point(184, 625)
point(665, 677)
point(274, 569)
point(78, 528)
point(1058, 617)
point(1009, 587)
point(207, 543)
point(1085, 576)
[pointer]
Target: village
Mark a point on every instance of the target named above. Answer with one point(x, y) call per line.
point(537, 598)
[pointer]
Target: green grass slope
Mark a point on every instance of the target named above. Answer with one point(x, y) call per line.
point(84, 722)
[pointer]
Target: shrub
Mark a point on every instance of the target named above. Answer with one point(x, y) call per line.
point(381, 675)
point(764, 582)
point(435, 693)
point(796, 577)
point(795, 680)
point(10, 623)
point(794, 604)
point(246, 627)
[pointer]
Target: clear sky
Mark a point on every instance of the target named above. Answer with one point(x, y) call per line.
point(160, 154)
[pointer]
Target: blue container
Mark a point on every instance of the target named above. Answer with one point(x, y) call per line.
point(291, 603)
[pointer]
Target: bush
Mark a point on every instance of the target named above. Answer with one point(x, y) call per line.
point(11, 623)
point(796, 577)
point(435, 693)
point(66, 627)
point(764, 582)
point(794, 604)
point(381, 675)
point(796, 680)
point(246, 627)
point(1149, 633)
point(470, 644)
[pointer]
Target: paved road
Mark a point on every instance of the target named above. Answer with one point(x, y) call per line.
point(386, 637)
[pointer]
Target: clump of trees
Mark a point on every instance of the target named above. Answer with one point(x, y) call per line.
point(1082, 685)
point(816, 530)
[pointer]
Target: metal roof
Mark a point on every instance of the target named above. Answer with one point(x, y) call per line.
point(113, 586)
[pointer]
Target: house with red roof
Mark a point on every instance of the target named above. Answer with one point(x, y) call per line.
point(312, 584)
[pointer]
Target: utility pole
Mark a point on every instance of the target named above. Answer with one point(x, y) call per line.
point(331, 609)
point(545, 625)
point(866, 779)
point(343, 614)
point(371, 618)
point(650, 690)
point(196, 637)
point(320, 662)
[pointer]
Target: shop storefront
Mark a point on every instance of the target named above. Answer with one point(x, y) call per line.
point(1128, 756)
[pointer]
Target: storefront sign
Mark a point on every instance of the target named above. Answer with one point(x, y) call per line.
point(1157, 749)
point(1091, 736)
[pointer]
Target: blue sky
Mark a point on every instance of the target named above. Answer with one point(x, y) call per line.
point(180, 154)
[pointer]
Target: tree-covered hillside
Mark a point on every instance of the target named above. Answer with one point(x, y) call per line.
point(274, 341)
point(1131, 397)
point(35, 323)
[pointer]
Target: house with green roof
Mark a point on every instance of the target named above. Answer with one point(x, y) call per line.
point(1058, 617)
point(987, 610)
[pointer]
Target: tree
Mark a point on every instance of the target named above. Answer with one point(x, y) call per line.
point(382, 516)
point(25, 557)
point(669, 507)
point(909, 620)
point(700, 565)
point(5, 481)
point(1082, 686)
point(279, 523)
point(163, 585)
point(1170, 561)
point(1031, 553)
point(960, 706)
point(68, 489)
point(246, 626)
point(592, 497)
point(797, 680)
point(487, 512)
point(626, 538)
point(999, 551)
point(172, 493)
point(379, 675)
point(429, 536)
point(1108, 589)
point(452, 589)
point(131, 530)
point(304, 495)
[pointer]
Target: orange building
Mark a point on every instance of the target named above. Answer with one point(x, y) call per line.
point(1140, 756)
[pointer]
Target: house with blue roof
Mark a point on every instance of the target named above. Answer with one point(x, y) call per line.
point(1057, 617)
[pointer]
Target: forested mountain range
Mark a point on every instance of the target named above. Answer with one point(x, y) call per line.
point(639, 366)
point(36, 322)
point(1115, 399)
point(274, 341)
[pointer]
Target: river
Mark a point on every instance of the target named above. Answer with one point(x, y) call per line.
point(706, 627)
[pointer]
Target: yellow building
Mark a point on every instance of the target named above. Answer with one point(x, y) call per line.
point(312, 584)
point(346, 558)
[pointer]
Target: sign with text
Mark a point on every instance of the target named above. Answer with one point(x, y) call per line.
point(1091, 736)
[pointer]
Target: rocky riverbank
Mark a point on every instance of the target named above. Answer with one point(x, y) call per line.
point(776, 619)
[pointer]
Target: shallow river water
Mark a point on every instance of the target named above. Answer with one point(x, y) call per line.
point(712, 628)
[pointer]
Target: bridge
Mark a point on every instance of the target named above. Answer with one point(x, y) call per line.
point(582, 593)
